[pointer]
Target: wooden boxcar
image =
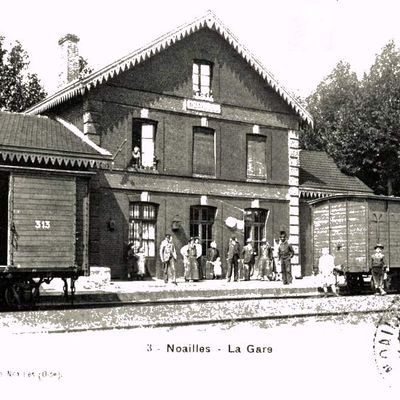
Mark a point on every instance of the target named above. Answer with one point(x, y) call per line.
point(350, 226)
point(44, 222)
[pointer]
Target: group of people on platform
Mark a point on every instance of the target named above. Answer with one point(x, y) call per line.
point(243, 261)
point(242, 264)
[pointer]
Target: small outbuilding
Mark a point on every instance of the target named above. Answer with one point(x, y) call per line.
point(320, 177)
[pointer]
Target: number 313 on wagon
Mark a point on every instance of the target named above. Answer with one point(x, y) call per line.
point(41, 224)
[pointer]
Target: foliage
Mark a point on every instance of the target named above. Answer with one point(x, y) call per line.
point(357, 121)
point(84, 67)
point(19, 89)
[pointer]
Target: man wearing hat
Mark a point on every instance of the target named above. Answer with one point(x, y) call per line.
point(247, 256)
point(285, 254)
point(265, 261)
point(378, 267)
point(232, 258)
point(168, 257)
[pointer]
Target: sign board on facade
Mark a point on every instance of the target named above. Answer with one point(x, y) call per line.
point(204, 106)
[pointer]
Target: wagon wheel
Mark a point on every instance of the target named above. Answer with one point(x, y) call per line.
point(19, 295)
point(355, 283)
point(2, 297)
point(12, 296)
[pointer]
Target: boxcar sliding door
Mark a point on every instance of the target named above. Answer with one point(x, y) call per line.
point(42, 220)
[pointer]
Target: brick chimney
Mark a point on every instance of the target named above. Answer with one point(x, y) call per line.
point(69, 59)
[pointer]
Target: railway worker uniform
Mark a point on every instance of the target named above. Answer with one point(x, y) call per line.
point(326, 266)
point(232, 259)
point(265, 262)
point(285, 254)
point(247, 256)
point(378, 267)
point(168, 257)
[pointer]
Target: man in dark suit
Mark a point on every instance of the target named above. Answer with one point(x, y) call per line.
point(285, 254)
point(232, 259)
point(248, 256)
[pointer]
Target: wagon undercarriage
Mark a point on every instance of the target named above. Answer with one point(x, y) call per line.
point(20, 287)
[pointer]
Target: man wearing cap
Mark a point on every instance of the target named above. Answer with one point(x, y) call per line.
point(378, 267)
point(265, 261)
point(247, 256)
point(285, 254)
point(168, 257)
point(232, 259)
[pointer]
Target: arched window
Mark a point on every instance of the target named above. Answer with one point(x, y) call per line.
point(201, 223)
point(255, 222)
point(142, 226)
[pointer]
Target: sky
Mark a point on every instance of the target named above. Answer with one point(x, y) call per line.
point(300, 42)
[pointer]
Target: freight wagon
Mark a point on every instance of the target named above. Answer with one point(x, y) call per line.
point(45, 167)
point(350, 226)
point(44, 222)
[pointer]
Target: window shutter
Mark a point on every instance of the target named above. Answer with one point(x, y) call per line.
point(256, 162)
point(203, 152)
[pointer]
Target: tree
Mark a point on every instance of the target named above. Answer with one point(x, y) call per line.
point(381, 102)
point(332, 105)
point(357, 122)
point(19, 89)
point(336, 106)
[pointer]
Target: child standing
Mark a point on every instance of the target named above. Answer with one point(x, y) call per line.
point(217, 268)
point(326, 265)
point(136, 157)
point(378, 268)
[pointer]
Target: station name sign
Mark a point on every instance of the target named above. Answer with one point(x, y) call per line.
point(205, 106)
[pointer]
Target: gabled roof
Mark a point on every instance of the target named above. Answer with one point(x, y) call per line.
point(320, 176)
point(209, 20)
point(38, 138)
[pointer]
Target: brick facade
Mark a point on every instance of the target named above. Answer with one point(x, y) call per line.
point(160, 90)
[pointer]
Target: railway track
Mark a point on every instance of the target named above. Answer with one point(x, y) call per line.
point(194, 312)
point(68, 305)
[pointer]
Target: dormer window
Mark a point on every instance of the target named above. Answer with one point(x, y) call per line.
point(202, 74)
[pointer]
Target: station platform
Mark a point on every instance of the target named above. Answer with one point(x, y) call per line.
point(156, 290)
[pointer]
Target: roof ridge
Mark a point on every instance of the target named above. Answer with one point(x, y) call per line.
point(209, 20)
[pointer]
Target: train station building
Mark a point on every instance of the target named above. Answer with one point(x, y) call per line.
point(204, 143)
